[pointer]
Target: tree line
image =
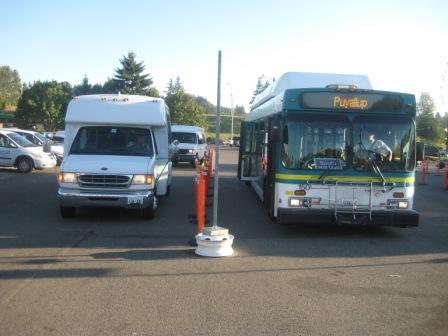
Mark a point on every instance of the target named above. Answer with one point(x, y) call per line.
point(44, 103)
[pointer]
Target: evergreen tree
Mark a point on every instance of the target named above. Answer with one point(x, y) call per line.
point(110, 86)
point(130, 78)
point(259, 89)
point(83, 88)
point(174, 87)
point(178, 87)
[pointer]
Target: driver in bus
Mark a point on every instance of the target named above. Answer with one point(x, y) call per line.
point(379, 147)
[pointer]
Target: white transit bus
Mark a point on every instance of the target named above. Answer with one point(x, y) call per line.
point(327, 148)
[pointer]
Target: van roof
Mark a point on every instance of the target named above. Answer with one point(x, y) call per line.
point(117, 109)
point(186, 128)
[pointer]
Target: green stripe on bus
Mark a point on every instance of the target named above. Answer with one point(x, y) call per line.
point(345, 178)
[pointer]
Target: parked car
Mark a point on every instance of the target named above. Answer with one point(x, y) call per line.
point(191, 146)
point(57, 148)
point(431, 151)
point(17, 151)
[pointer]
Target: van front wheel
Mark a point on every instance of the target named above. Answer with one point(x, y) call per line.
point(24, 165)
point(148, 212)
point(67, 212)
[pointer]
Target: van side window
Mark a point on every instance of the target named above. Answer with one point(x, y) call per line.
point(200, 138)
point(3, 141)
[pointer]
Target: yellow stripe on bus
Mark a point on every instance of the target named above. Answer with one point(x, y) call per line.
point(345, 178)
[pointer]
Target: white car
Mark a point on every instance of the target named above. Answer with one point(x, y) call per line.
point(53, 146)
point(16, 151)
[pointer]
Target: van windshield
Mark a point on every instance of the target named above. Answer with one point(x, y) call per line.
point(109, 140)
point(20, 140)
point(184, 137)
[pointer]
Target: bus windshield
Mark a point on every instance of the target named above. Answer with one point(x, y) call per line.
point(387, 144)
point(314, 142)
point(335, 143)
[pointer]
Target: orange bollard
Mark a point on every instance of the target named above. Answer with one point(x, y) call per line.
point(200, 202)
point(437, 169)
point(422, 179)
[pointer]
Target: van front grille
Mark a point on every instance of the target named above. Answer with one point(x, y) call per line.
point(94, 180)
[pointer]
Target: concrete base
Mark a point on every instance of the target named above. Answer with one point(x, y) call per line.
point(214, 246)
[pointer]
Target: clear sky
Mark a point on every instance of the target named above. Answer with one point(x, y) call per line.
point(400, 45)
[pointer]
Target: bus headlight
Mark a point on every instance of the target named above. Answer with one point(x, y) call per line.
point(66, 177)
point(397, 204)
point(142, 179)
point(300, 202)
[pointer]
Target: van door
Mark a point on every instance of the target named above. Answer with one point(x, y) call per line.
point(6, 151)
point(247, 161)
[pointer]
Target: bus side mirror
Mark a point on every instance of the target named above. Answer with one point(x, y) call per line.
point(420, 153)
point(275, 130)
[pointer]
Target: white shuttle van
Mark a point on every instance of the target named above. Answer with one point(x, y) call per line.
point(192, 144)
point(117, 152)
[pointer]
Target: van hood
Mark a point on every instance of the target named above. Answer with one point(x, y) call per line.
point(108, 164)
point(34, 149)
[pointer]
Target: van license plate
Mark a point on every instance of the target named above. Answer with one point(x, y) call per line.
point(135, 200)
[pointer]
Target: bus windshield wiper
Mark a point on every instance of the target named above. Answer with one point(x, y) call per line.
point(372, 164)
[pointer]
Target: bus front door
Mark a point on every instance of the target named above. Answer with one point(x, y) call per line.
point(247, 162)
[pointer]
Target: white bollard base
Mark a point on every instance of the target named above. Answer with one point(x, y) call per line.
point(214, 246)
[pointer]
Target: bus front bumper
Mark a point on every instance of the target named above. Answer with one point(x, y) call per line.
point(402, 218)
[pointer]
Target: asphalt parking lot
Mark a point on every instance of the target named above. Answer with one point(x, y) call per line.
point(108, 272)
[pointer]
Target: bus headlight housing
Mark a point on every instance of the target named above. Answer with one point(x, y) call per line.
point(296, 202)
point(397, 204)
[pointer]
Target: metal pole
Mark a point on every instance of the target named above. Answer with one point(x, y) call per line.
point(231, 115)
point(217, 145)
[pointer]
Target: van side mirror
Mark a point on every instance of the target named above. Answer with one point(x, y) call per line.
point(420, 151)
point(176, 142)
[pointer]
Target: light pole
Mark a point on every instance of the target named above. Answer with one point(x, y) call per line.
point(231, 116)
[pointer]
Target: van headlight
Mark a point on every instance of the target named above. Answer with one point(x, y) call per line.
point(397, 204)
point(66, 177)
point(142, 179)
point(192, 151)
